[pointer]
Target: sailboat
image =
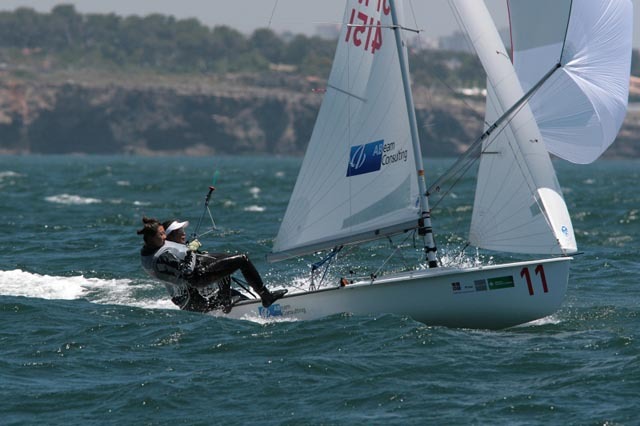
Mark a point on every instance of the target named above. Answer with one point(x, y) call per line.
point(562, 89)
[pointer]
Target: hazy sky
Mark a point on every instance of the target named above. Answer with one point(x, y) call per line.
point(432, 16)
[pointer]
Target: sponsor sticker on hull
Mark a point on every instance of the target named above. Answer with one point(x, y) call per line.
point(496, 283)
point(501, 282)
point(458, 288)
point(277, 310)
point(274, 310)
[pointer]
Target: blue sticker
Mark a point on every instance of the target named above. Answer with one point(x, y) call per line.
point(365, 158)
point(565, 230)
point(274, 310)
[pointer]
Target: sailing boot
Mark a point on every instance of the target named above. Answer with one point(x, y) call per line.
point(252, 276)
point(268, 297)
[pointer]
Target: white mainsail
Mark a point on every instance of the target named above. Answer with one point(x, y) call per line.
point(518, 205)
point(581, 108)
point(358, 180)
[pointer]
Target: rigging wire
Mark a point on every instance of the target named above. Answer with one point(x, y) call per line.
point(273, 11)
point(476, 149)
point(375, 274)
point(456, 94)
point(327, 259)
point(473, 154)
point(440, 79)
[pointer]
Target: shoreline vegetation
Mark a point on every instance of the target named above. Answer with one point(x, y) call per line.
point(155, 85)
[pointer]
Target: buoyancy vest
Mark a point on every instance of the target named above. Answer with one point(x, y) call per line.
point(170, 272)
point(167, 272)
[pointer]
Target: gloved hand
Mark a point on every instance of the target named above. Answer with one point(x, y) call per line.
point(194, 245)
point(187, 265)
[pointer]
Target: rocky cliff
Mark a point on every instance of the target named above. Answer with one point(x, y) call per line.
point(238, 114)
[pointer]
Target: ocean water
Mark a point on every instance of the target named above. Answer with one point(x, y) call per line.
point(87, 338)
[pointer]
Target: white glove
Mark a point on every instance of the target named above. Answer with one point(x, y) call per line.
point(194, 245)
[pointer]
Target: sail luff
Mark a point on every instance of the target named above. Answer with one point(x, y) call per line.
point(426, 229)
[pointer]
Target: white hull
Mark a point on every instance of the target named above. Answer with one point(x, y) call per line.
point(490, 297)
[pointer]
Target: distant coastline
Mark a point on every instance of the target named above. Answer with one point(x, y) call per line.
point(234, 114)
point(159, 86)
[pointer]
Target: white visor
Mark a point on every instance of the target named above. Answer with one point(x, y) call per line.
point(175, 226)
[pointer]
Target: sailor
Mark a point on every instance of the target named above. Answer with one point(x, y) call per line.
point(209, 296)
point(175, 231)
point(197, 281)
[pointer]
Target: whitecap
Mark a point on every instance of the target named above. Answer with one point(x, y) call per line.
point(254, 208)
point(8, 174)
point(265, 320)
point(69, 199)
point(96, 290)
point(255, 191)
point(551, 319)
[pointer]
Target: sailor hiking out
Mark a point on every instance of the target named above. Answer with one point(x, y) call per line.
point(197, 281)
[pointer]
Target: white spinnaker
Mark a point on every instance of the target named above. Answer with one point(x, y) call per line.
point(581, 108)
point(358, 179)
point(518, 205)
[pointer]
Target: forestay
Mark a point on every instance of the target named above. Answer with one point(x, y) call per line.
point(580, 110)
point(358, 180)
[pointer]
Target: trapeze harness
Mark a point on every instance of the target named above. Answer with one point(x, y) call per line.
point(174, 264)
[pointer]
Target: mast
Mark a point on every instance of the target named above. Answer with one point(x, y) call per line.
point(425, 228)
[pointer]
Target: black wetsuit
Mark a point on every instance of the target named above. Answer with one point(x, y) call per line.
point(199, 281)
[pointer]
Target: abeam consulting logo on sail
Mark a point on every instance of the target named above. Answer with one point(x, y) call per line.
point(365, 158)
point(372, 156)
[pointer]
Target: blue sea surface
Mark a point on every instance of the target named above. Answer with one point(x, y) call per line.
point(87, 338)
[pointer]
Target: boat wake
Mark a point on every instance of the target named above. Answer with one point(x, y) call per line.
point(95, 290)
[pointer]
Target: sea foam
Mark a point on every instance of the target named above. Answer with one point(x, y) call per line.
point(68, 199)
point(96, 290)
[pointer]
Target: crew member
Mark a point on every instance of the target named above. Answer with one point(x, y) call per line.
point(193, 279)
point(176, 231)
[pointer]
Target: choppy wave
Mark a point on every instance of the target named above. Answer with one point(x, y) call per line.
point(9, 174)
point(69, 199)
point(78, 200)
point(255, 192)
